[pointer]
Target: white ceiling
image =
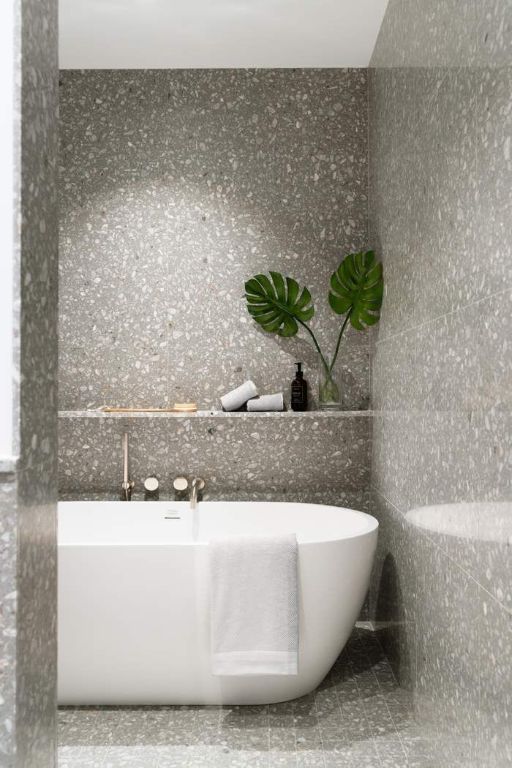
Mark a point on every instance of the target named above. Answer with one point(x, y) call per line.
point(120, 34)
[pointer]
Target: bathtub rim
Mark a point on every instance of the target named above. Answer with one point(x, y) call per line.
point(372, 524)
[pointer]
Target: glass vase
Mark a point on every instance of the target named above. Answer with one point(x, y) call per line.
point(329, 398)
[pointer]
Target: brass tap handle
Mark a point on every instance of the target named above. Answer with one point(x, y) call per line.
point(180, 484)
point(151, 486)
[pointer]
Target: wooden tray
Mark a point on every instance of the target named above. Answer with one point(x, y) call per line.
point(191, 408)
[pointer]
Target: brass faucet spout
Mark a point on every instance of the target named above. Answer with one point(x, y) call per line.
point(127, 484)
point(196, 486)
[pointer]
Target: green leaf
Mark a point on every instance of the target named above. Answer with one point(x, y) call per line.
point(279, 285)
point(293, 289)
point(277, 303)
point(357, 288)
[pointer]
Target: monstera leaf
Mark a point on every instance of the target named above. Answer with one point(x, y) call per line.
point(356, 288)
point(278, 304)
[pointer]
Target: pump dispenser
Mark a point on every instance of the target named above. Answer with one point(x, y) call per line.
point(299, 399)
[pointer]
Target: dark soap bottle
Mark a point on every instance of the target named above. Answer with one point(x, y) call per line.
point(299, 391)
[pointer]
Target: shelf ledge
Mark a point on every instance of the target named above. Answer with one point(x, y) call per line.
point(213, 414)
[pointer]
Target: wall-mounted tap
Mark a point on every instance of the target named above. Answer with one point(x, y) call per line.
point(181, 484)
point(126, 485)
point(197, 485)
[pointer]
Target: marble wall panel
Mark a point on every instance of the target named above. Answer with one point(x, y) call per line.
point(440, 203)
point(36, 640)
point(459, 363)
point(421, 458)
point(38, 268)
point(175, 187)
point(494, 38)
point(494, 648)
point(28, 499)
point(446, 687)
point(8, 603)
point(447, 637)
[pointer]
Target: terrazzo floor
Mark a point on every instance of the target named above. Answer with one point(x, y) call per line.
point(359, 717)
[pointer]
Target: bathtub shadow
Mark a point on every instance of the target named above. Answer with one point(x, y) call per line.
point(392, 628)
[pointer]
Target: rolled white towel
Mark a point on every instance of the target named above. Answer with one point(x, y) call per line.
point(266, 403)
point(239, 396)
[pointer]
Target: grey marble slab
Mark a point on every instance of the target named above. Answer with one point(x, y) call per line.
point(8, 603)
point(494, 167)
point(421, 458)
point(439, 211)
point(447, 639)
point(175, 187)
point(460, 363)
point(494, 629)
point(446, 693)
point(446, 192)
point(445, 201)
point(36, 638)
point(28, 540)
point(494, 39)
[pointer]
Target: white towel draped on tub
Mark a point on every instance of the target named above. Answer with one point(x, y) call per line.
point(254, 605)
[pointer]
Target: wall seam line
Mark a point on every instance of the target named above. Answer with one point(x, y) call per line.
point(434, 320)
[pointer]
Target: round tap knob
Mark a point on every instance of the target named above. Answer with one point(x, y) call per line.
point(180, 484)
point(151, 484)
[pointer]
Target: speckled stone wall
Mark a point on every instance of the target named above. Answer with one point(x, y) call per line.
point(8, 560)
point(441, 216)
point(175, 187)
point(28, 486)
point(315, 457)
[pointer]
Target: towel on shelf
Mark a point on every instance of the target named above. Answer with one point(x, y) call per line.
point(254, 605)
point(239, 396)
point(266, 403)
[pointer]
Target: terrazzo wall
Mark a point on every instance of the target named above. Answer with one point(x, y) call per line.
point(314, 457)
point(176, 187)
point(441, 216)
point(28, 478)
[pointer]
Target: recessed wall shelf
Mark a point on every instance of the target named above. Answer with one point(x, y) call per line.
point(217, 414)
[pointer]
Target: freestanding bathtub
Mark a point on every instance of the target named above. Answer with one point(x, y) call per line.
point(133, 597)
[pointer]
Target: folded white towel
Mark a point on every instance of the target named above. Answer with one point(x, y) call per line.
point(266, 403)
point(254, 605)
point(239, 396)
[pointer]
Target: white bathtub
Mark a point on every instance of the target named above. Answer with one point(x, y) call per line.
point(133, 598)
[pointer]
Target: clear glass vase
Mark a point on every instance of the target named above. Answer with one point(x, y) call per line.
point(329, 398)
